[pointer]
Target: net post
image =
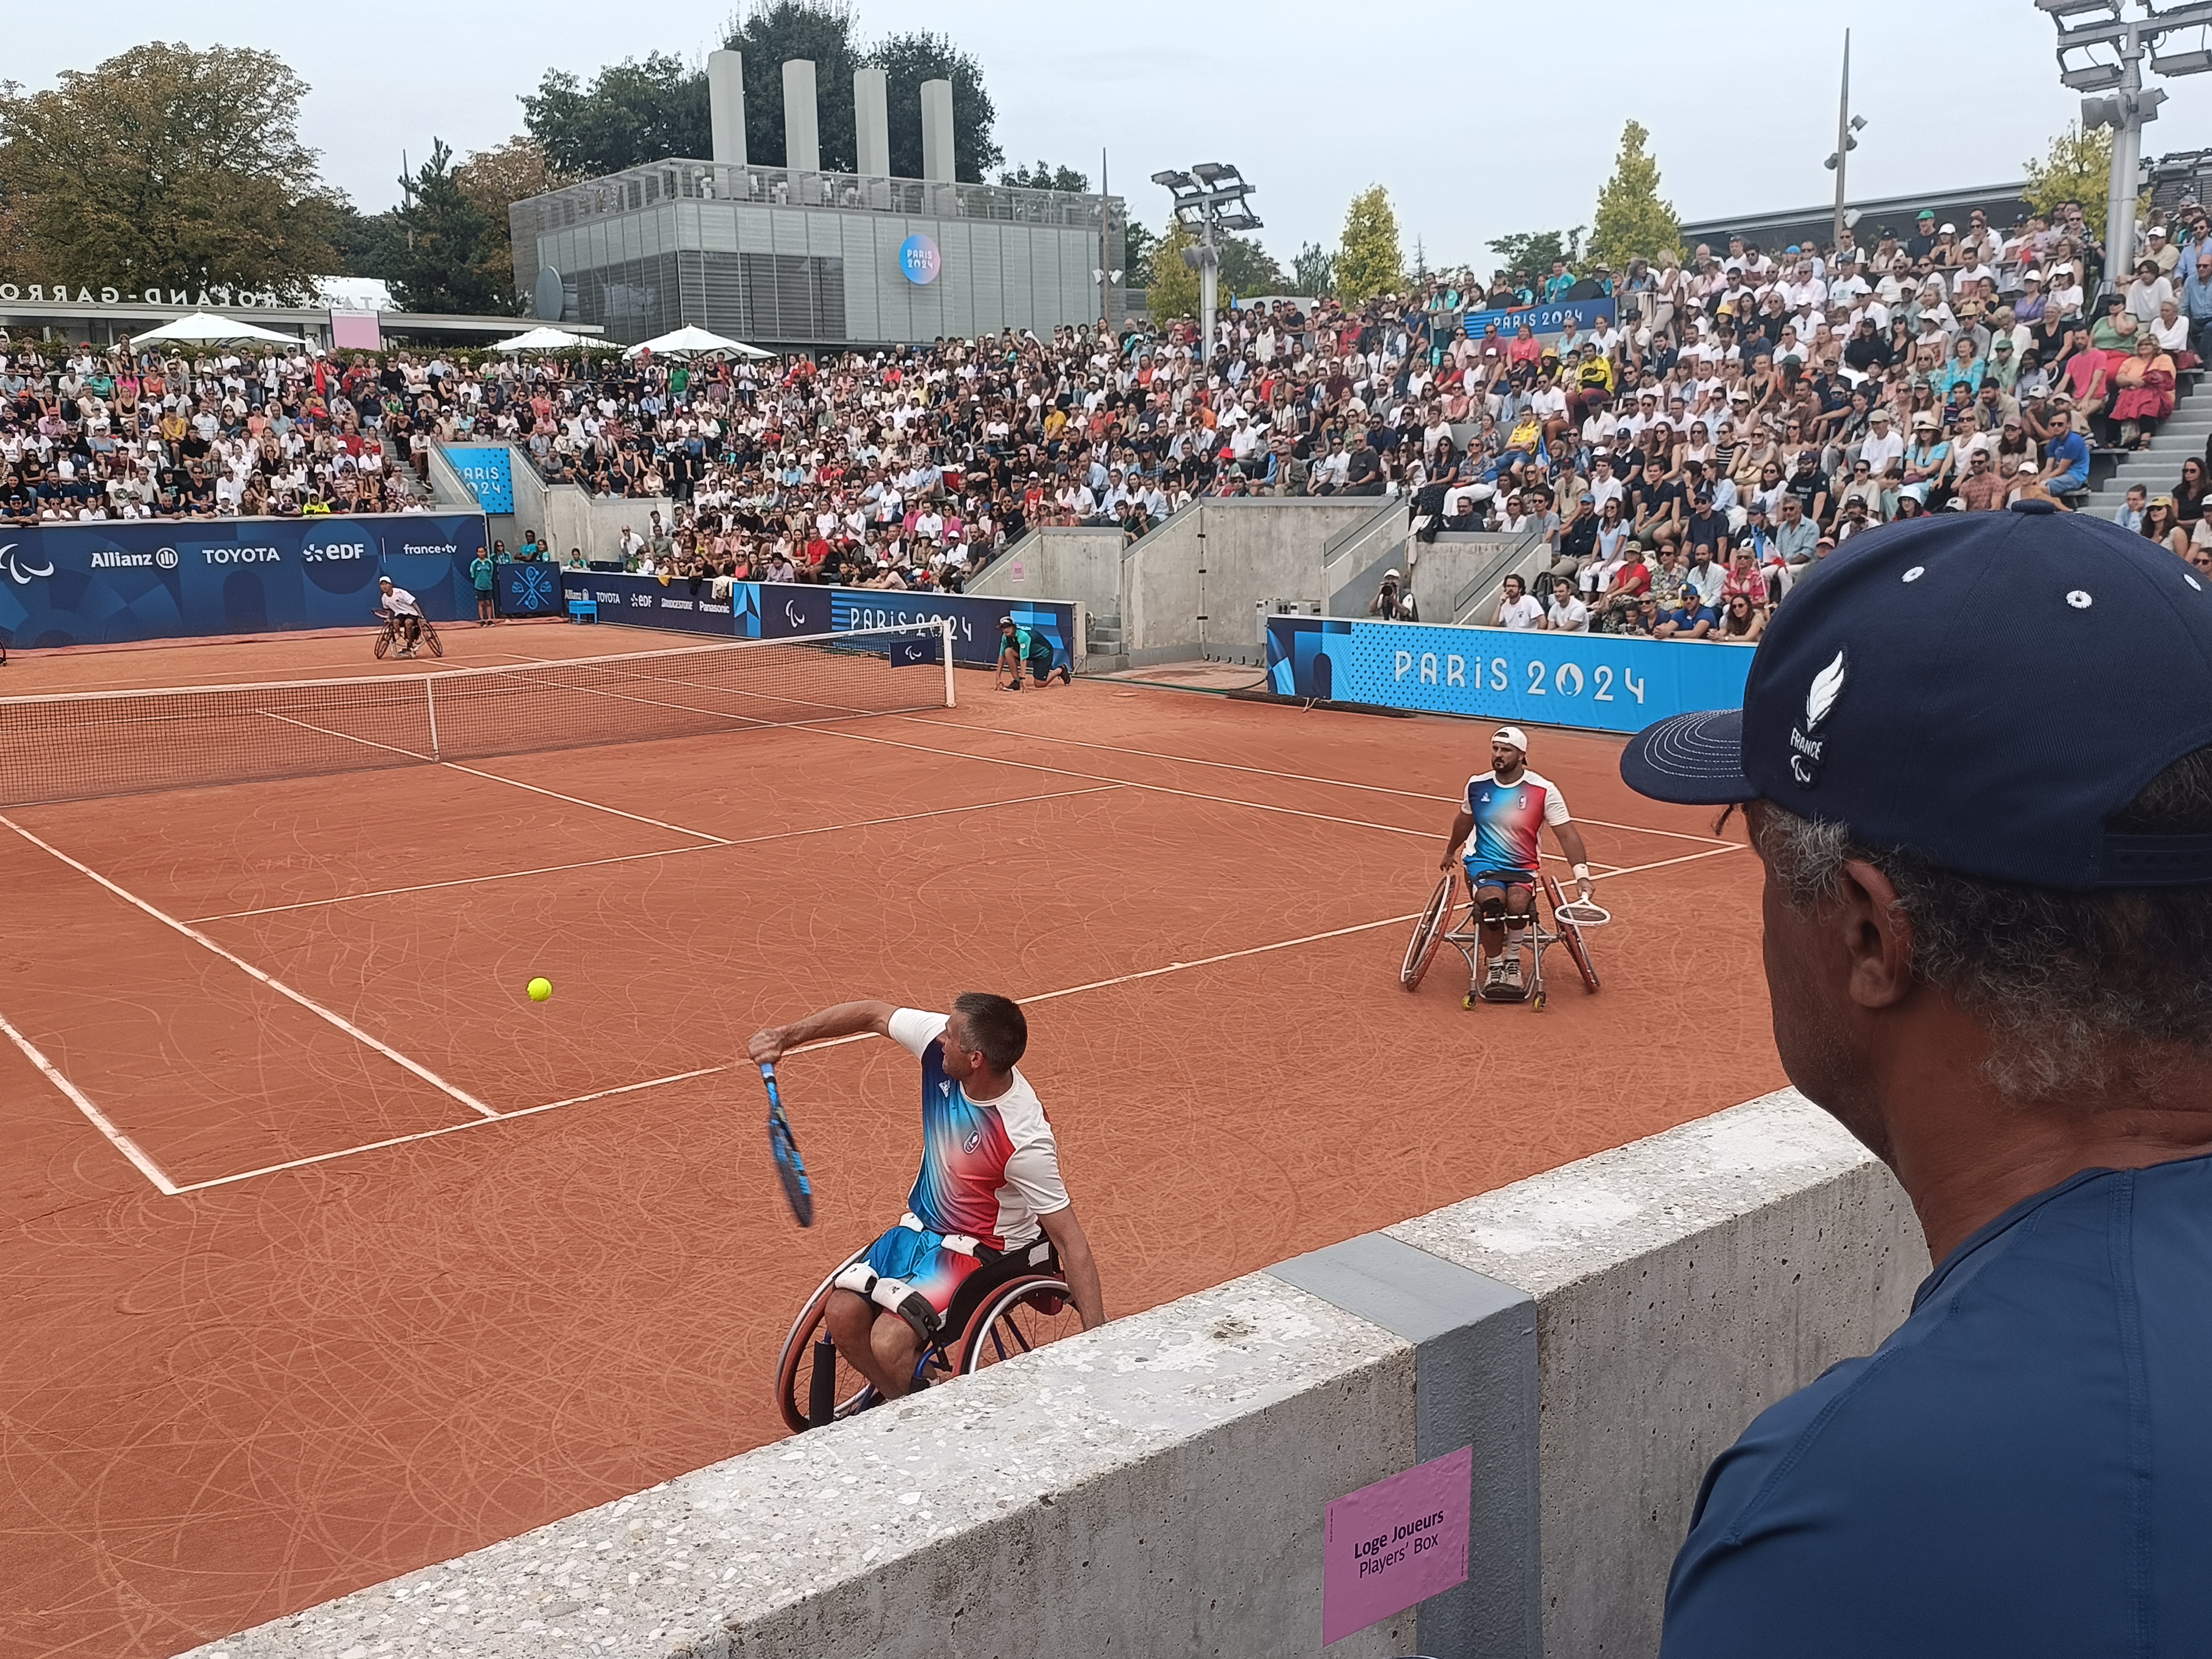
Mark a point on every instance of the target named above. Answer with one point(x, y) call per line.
point(430, 702)
point(945, 633)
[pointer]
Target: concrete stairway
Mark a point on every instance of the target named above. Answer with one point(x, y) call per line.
point(1107, 656)
point(2157, 468)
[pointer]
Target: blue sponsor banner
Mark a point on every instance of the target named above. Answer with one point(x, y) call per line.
point(488, 471)
point(115, 583)
point(1541, 319)
point(529, 588)
point(1606, 681)
point(974, 620)
point(785, 609)
point(649, 602)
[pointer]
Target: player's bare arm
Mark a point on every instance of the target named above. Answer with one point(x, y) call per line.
point(1069, 1239)
point(771, 1044)
point(1570, 843)
point(1462, 827)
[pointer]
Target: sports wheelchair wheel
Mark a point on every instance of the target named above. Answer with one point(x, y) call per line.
point(811, 1377)
point(383, 646)
point(1428, 934)
point(1569, 934)
point(430, 638)
point(1020, 1318)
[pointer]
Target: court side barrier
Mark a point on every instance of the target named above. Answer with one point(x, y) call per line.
point(755, 611)
point(1558, 1359)
point(116, 582)
point(1607, 682)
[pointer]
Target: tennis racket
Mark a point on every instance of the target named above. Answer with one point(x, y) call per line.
point(790, 1169)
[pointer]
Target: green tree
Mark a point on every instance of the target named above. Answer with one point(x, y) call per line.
point(774, 31)
point(1313, 273)
point(1369, 262)
point(1044, 176)
point(1137, 246)
point(1632, 222)
point(1174, 288)
point(2077, 169)
point(1247, 268)
point(454, 260)
point(368, 244)
point(632, 113)
point(908, 60)
point(1532, 253)
point(170, 166)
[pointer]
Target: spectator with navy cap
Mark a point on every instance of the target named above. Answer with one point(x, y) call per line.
point(1975, 758)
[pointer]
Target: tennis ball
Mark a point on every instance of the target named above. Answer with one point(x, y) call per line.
point(540, 989)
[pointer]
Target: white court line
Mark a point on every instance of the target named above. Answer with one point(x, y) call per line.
point(835, 1042)
point(1258, 771)
point(451, 1128)
point(662, 852)
point(1687, 858)
point(271, 980)
point(123, 1143)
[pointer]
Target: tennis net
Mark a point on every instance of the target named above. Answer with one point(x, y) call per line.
point(83, 746)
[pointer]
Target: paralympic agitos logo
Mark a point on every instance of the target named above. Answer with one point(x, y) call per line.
point(20, 574)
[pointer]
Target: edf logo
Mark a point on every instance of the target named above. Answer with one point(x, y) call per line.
point(919, 260)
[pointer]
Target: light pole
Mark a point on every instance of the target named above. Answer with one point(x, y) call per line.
point(1210, 197)
point(1846, 125)
point(2108, 44)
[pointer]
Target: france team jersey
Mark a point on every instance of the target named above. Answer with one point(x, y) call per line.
point(988, 1168)
point(1508, 818)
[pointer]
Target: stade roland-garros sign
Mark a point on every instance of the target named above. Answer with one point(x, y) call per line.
point(61, 294)
point(1605, 681)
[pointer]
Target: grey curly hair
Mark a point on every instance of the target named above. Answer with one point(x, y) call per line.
point(2073, 986)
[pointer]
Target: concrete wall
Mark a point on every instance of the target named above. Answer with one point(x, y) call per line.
point(1081, 562)
point(1252, 551)
point(566, 515)
point(1158, 1486)
point(1444, 568)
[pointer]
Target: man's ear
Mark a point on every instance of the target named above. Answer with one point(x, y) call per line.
point(1877, 936)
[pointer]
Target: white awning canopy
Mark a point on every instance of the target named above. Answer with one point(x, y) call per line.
point(552, 339)
point(692, 341)
point(204, 328)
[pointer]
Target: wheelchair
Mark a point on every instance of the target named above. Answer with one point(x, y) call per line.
point(1435, 929)
point(1014, 1304)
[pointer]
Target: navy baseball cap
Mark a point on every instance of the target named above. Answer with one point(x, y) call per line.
point(1986, 689)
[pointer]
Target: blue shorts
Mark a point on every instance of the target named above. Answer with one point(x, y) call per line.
point(923, 1262)
point(1499, 878)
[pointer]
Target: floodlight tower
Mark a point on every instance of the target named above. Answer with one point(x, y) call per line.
point(1212, 197)
point(2101, 48)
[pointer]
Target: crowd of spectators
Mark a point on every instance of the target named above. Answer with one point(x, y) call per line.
point(1745, 406)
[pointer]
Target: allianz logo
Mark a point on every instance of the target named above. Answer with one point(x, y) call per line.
point(114, 559)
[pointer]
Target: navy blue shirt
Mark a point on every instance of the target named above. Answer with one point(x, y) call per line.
point(2024, 1467)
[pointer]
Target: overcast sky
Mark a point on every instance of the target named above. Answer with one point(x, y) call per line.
point(1481, 120)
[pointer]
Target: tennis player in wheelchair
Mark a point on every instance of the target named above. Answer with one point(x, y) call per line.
point(988, 1191)
point(1496, 838)
point(400, 608)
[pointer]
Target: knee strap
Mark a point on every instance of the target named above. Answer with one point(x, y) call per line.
point(1493, 909)
point(895, 1295)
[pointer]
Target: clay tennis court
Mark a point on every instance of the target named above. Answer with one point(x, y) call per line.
point(329, 1254)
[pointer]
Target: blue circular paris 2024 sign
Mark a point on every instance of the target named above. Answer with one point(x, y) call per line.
point(919, 260)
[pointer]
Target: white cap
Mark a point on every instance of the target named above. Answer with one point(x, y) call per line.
point(1512, 734)
point(1389, 576)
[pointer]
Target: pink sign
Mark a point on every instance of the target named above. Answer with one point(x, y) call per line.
point(1395, 1543)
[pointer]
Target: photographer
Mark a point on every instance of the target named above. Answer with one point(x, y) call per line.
point(1394, 601)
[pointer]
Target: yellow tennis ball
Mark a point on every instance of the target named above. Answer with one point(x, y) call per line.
point(540, 989)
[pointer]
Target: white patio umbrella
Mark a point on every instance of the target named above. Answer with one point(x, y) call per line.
point(204, 328)
point(692, 341)
point(552, 339)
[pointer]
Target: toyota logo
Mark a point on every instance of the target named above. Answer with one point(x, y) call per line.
point(166, 557)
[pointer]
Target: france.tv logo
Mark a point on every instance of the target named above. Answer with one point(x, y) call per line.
point(919, 260)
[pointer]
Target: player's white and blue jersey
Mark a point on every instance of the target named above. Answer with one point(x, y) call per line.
point(988, 1168)
point(1508, 818)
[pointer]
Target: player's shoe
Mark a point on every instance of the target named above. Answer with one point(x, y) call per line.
point(1493, 984)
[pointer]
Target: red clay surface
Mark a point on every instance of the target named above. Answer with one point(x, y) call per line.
point(223, 1405)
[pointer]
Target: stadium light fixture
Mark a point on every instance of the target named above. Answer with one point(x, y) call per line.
point(2102, 44)
point(1213, 198)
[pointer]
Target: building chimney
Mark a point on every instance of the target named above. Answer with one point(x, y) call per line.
point(802, 133)
point(937, 130)
point(726, 104)
point(871, 123)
